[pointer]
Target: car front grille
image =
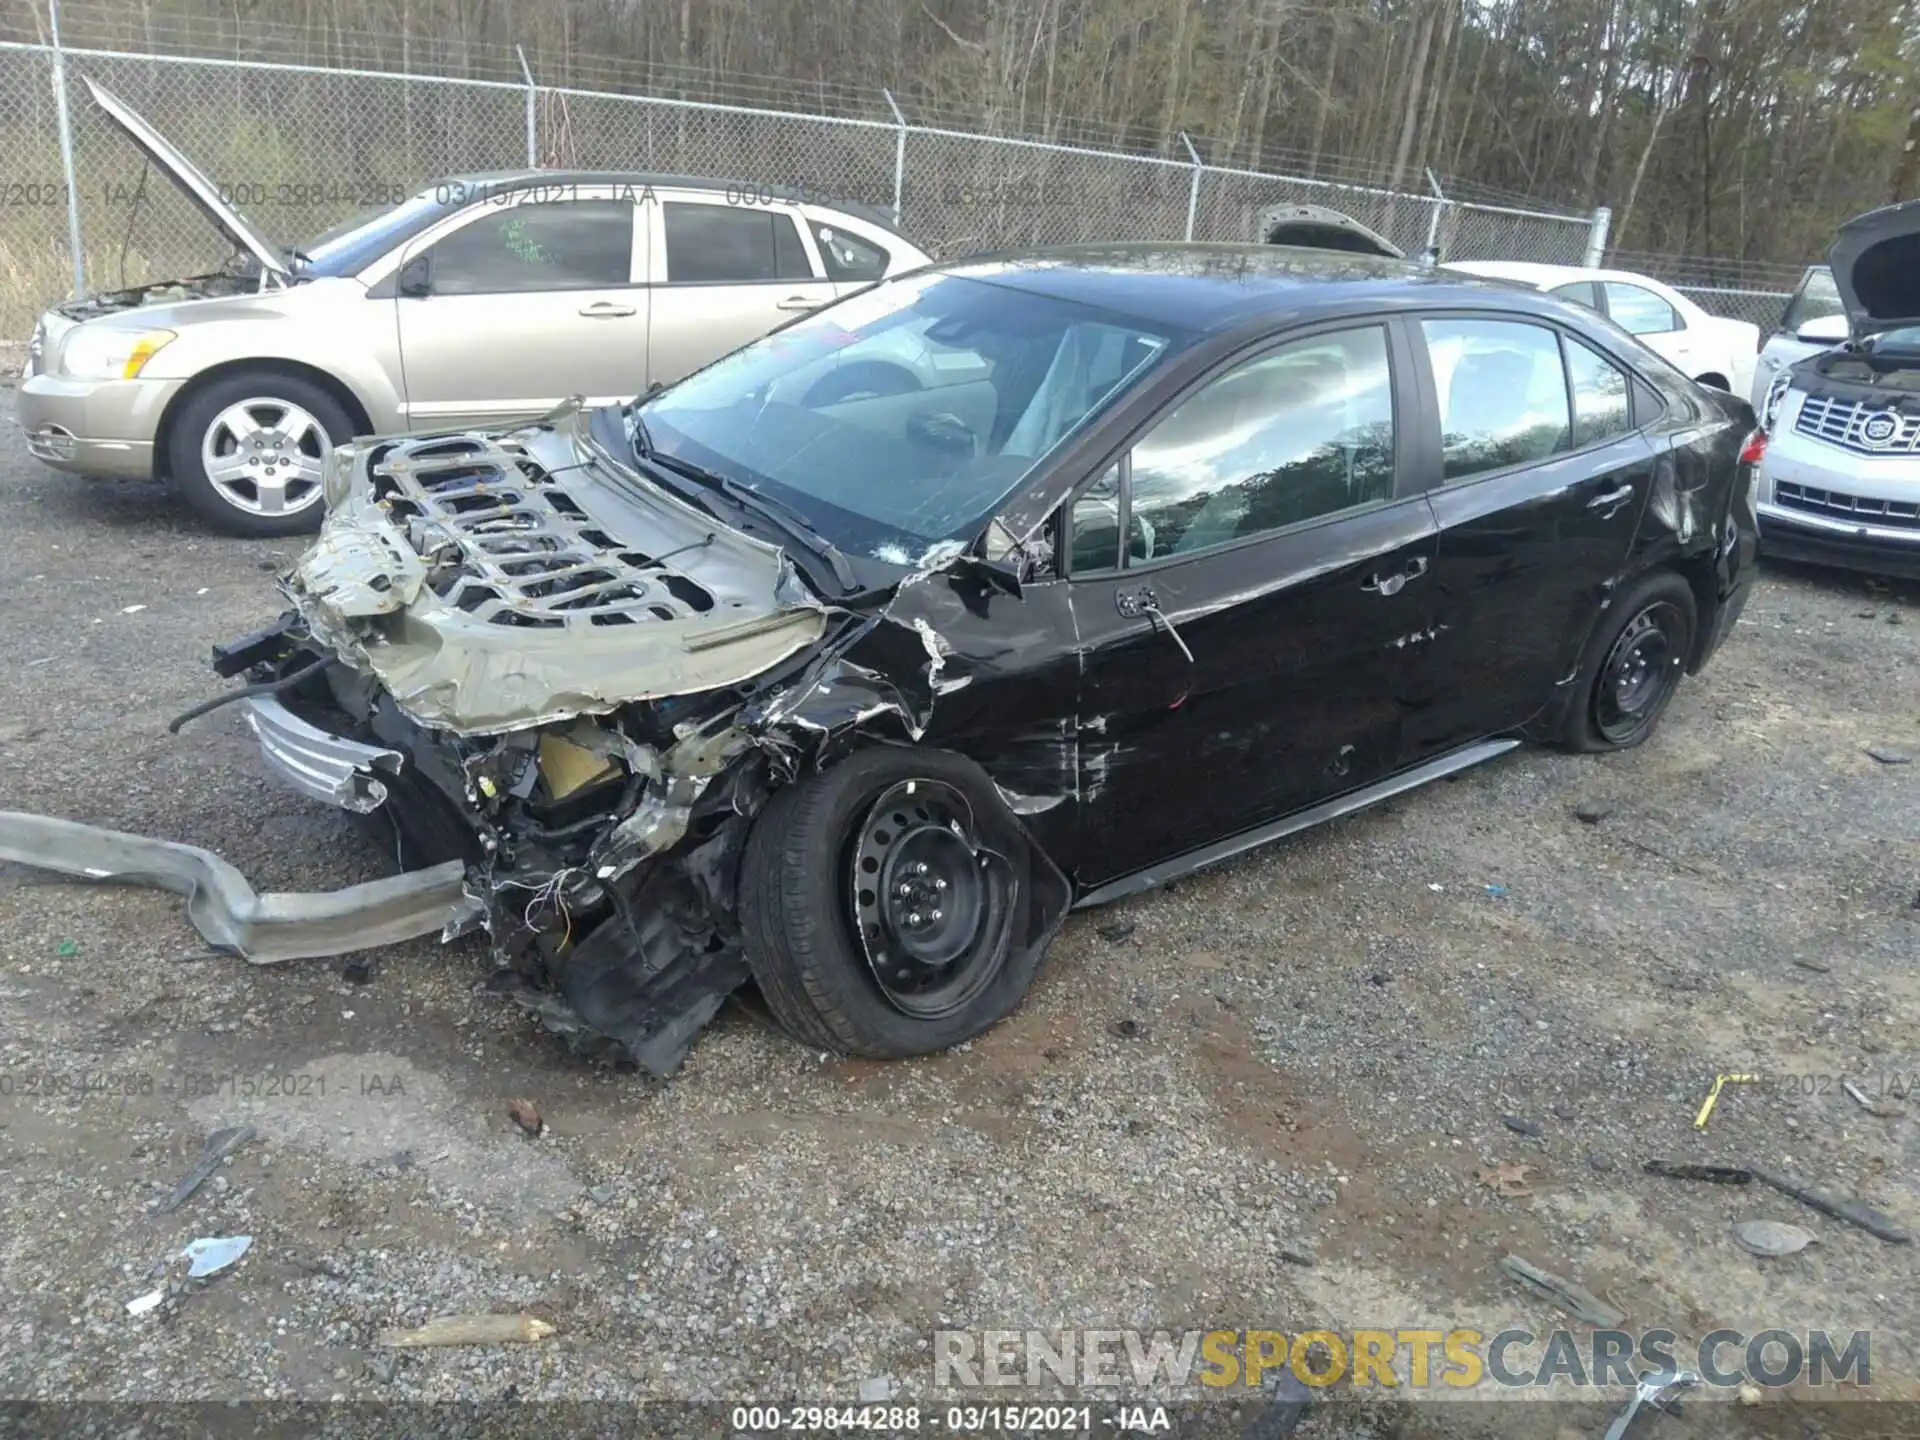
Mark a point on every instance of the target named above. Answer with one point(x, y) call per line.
point(1857, 509)
point(1862, 428)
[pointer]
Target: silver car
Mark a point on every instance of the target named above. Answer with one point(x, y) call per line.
point(483, 299)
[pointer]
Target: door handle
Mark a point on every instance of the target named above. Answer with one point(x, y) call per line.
point(1612, 500)
point(605, 310)
point(798, 302)
point(1393, 584)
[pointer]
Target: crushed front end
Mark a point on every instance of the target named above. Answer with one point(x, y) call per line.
point(481, 671)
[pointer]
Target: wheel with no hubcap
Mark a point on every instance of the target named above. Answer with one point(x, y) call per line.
point(247, 451)
point(878, 906)
point(1633, 666)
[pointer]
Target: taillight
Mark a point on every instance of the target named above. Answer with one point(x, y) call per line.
point(1755, 447)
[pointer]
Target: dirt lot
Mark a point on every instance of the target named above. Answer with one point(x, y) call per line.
point(1256, 1099)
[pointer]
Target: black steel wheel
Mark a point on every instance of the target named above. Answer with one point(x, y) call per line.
point(888, 904)
point(930, 902)
point(1641, 670)
point(1638, 653)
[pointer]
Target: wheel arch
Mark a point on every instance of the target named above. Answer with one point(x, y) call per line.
point(325, 380)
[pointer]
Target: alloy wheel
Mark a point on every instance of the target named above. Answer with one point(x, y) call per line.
point(264, 456)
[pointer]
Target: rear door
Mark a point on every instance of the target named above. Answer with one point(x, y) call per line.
point(1537, 475)
point(1244, 648)
point(532, 296)
point(724, 273)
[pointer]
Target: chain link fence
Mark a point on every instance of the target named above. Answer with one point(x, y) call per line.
point(299, 148)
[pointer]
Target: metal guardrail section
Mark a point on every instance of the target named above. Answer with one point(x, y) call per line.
point(300, 148)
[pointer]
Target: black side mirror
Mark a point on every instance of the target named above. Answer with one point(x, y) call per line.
point(416, 278)
point(991, 575)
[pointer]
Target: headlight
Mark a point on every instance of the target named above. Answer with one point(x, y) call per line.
point(1776, 393)
point(107, 352)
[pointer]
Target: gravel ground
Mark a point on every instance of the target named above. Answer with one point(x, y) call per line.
point(1261, 1097)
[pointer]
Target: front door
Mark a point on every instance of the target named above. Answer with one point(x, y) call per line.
point(1538, 478)
point(530, 299)
point(724, 274)
point(1244, 647)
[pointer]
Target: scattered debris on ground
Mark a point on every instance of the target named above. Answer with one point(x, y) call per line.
point(467, 1330)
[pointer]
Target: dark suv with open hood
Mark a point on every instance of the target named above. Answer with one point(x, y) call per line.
point(1116, 562)
point(1840, 481)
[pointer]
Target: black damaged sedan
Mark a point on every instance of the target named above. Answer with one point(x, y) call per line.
point(848, 665)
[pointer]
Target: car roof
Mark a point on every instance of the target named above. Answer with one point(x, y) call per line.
point(1204, 287)
point(494, 180)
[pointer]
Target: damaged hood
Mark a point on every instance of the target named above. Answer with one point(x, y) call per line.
point(500, 582)
point(204, 194)
point(1876, 265)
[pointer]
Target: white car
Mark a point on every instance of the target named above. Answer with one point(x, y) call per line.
point(1713, 350)
point(1839, 475)
point(1814, 320)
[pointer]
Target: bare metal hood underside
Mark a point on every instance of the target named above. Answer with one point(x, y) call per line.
point(204, 194)
point(1319, 228)
point(1876, 264)
point(499, 583)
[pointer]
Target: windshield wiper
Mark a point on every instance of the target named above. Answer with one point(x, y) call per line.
point(776, 512)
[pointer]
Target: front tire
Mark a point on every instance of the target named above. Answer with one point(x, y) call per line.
point(875, 918)
point(247, 450)
point(1633, 665)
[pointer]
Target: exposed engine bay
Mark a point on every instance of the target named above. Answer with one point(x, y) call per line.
point(161, 292)
point(585, 720)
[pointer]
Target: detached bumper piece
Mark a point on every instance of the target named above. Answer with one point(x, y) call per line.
point(227, 911)
point(341, 772)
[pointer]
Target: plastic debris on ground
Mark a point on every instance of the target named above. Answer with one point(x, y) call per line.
point(1720, 1082)
point(1576, 1300)
point(468, 1330)
point(1711, 1174)
point(1864, 1217)
point(213, 1254)
point(1884, 1109)
point(220, 1144)
point(1773, 1237)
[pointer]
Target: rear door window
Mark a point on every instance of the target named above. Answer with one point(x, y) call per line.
point(1580, 292)
point(848, 258)
point(731, 244)
point(1602, 407)
point(1502, 393)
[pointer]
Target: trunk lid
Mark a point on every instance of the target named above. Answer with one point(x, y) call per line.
point(204, 194)
point(1876, 265)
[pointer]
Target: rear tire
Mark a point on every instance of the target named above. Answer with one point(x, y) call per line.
point(872, 938)
point(246, 452)
point(1633, 665)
